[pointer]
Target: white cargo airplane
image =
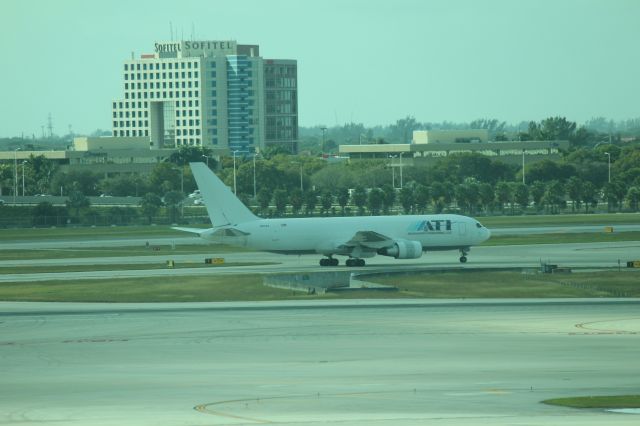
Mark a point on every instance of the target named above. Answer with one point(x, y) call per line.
point(401, 237)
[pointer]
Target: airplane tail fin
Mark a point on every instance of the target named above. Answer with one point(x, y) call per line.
point(223, 206)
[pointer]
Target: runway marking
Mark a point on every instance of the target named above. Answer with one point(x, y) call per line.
point(600, 331)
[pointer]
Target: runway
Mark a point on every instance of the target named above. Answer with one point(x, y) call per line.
point(354, 362)
point(569, 255)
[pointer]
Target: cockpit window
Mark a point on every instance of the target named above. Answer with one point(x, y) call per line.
point(478, 225)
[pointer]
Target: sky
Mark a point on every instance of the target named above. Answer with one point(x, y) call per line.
point(362, 61)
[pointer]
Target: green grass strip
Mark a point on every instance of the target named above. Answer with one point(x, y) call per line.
point(618, 401)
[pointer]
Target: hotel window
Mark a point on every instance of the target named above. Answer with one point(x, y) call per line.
point(134, 133)
point(115, 124)
point(189, 74)
point(182, 65)
point(138, 67)
point(164, 65)
point(157, 75)
point(126, 95)
point(195, 74)
point(126, 67)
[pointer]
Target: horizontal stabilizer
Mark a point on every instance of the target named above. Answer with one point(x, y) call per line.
point(198, 231)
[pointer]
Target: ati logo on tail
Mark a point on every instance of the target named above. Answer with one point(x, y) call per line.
point(432, 227)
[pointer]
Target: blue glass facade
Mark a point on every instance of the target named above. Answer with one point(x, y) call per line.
point(240, 116)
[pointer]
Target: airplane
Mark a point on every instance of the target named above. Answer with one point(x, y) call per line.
point(357, 237)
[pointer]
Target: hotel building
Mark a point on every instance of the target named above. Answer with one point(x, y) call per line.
point(217, 94)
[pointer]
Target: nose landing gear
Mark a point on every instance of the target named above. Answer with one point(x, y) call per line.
point(463, 254)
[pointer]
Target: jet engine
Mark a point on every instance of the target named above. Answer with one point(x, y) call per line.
point(403, 249)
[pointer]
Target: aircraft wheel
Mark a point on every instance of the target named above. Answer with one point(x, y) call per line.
point(349, 262)
point(323, 262)
point(334, 262)
point(463, 259)
point(360, 262)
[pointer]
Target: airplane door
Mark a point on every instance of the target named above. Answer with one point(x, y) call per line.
point(462, 228)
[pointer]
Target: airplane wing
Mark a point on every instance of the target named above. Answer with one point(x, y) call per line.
point(369, 240)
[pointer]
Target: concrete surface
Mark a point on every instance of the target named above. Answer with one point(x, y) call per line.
point(353, 362)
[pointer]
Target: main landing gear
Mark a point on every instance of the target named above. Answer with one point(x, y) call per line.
point(463, 255)
point(329, 262)
point(355, 262)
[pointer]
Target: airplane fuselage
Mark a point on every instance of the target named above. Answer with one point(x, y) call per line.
point(324, 235)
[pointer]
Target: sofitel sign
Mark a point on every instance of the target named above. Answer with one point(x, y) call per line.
point(195, 45)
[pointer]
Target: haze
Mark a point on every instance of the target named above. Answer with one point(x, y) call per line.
point(363, 61)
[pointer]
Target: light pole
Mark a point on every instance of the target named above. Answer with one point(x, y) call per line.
point(393, 173)
point(23, 164)
point(324, 129)
point(254, 175)
point(401, 169)
point(15, 166)
point(301, 188)
point(207, 157)
point(523, 178)
point(296, 162)
point(235, 190)
point(609, 164)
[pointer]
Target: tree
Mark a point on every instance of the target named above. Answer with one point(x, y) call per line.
point(44, 214)
point(552, 128)
point(310, 201)
point(342, 197)
point(521, 195)
point(614, 193)
point(375, 200)
point(537, 193)
point(574, 190)
point(77, 200)
point(191, 154)
point(84, 181)
point(503, 194)
point(421, 197)
point(326, 201)
point(554, 196)
point(402, 131)
point(264, 198)
point(589, 196)
point(389, 197)
point(296, 200)
point(360, 199)
point(150, 204)
point(280, 200)
point(164, 177)
point(172, 200)
point(633, 197)
point(406, 198)
point(486, 197)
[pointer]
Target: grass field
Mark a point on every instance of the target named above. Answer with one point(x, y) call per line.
point(248, 287)
point(509, 284)
point(619, 401)
point(166, 231)
point(74, 253)
point(120, 267)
